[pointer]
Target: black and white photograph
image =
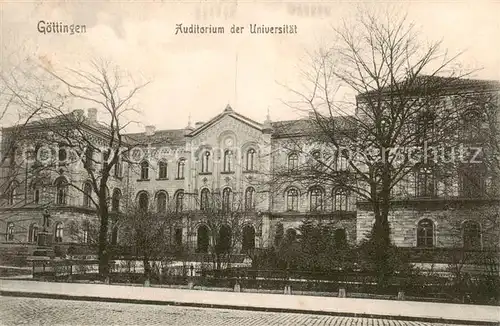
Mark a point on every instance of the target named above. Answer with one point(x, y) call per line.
point(250, 162)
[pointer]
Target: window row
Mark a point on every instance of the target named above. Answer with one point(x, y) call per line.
point(339, 162)
point(426, 234)
point(223, 241)
point(162, 170)
point(339, 236)
point(341, 199)
point(33, 232)
point(471, 181)
point(208, 201)
point(228, 161)
point(61, 192)
point(88, 159)
point(161, 201)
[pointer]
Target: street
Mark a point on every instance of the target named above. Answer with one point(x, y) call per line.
point(31, 311)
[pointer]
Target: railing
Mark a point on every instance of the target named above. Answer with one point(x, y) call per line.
point(64, 268)
point(432, 287)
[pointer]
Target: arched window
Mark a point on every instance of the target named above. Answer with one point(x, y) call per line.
point(292, 200)
point(315, 199)
point(471, 235)
point(144, 170)
point(36, 194)
point(12, 193)
point(143, 200)
point(315, 158)
point(248, 242)
point(425, 126)
point(472, 179)
point(85, 236)
point(33, 233)
point(250, 198)
point(178, 237)
point(89, 158)
point(61, 190)
point(250, 166)
point(58, 237)
point(10, 232)
point(87, 194)
point(115, 200)
point(162, 170)
point(179, 201)
point(205, 160)
point(181, 165)
point(293, 161)
point(340, 199)
point(342, 160)
point(425, 233)
point(228, 161)
point(291, 235)
point(340, 238)
point(118, 170)
point(114, 235)
point(205, 199)
point(161, 202)
point(224, 240)
point(203, 240)
point(425, 182)
point(226, 199)
point(62, 155)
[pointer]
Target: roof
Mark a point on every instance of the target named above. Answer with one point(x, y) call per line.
point(287, 128)
point(171, 137)
point(76, 118)
point(292, 127)
point(447, 85)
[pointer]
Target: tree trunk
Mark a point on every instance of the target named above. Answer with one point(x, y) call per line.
point(381, 243)
point(103, 242)
point(381, 240)
point(147, 267)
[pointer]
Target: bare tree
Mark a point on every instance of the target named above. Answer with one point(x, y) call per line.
point(222, 218)
point(96, 146)
point(409, 100)
point(21, 102)
point(151, 232)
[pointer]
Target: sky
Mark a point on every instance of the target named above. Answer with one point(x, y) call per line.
point(198, 75)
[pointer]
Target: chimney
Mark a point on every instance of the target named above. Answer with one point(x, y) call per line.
point(150, 130)
point(92, 114)
point(198, 124)
point(78, 113)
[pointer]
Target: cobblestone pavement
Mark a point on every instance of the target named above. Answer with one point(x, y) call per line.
point(35, 311)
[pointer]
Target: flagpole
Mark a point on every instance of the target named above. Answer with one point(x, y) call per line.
point(236, 82)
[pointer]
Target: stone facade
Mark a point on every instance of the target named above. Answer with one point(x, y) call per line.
point(256, 150)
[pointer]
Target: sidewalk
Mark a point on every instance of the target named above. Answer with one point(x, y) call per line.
point(401, 310)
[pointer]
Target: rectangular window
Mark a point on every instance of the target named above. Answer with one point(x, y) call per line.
point(118, 169)
point(89, 157)
point(426, 183)
point(178, 237)
point(472, 181)
point(162, 173)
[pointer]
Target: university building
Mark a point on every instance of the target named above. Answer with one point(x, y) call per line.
point(234, 158)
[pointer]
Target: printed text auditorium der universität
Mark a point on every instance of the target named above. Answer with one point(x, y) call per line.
point(253, 28)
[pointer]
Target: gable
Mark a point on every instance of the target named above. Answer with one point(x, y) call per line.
point(222, 125)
